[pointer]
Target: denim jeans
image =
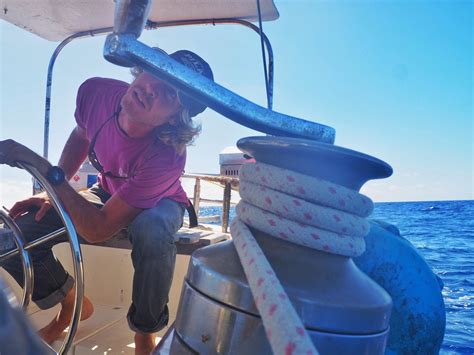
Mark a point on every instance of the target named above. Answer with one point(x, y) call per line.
point(153, 256)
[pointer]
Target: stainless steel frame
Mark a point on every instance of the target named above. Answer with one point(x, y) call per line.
point(49, 80)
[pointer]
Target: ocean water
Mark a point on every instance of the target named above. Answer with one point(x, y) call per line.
point(443, 232)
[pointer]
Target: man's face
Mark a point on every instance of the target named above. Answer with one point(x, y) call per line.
point(150, 101)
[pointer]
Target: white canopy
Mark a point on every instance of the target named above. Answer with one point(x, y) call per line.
point(55, 20)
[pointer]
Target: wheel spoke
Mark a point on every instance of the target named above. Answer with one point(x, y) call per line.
point(25, 258)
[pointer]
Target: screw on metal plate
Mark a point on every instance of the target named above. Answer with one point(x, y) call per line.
point(113, 43)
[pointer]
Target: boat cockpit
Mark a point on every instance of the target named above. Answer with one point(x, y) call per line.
point(300, 201)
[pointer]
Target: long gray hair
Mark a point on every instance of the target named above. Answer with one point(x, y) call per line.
point(182, 132)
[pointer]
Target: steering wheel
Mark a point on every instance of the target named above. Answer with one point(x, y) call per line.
point(23, 248)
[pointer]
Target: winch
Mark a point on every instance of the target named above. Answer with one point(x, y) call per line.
point(342, 309)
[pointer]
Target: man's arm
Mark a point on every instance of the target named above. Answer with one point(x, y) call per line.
point(115, 214)
point(93, 224)
point(72, 156)
point(74, 152)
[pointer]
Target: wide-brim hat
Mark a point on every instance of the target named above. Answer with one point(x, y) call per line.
point(199, 65)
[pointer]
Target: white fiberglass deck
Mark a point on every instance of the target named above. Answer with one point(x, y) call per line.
point(108, 276)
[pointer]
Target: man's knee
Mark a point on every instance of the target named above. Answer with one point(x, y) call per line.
point(152, 239)
point(156, 225)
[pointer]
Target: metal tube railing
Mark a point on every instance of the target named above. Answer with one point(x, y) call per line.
point(49, 80)
point(228, 182)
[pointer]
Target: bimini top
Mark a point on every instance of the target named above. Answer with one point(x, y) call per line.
point(58, 19)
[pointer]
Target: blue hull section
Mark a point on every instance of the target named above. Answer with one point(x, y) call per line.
point(418, 318)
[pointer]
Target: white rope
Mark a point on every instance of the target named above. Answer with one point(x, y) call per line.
point(284, 328)
point(298, 233)
point(309, 188)
point(300, 209)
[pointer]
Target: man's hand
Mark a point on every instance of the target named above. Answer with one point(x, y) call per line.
point(93, 224)
point(21, 207)
point(12, 152)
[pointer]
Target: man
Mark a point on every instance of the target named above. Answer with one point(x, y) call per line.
point(135, 135)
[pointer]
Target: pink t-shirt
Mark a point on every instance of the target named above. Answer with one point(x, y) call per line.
point(153, 167)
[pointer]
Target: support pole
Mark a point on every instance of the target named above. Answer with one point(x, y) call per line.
point(226, 207)
point(197, 195)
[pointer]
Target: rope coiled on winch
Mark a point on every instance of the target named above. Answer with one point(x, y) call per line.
point(300, 209)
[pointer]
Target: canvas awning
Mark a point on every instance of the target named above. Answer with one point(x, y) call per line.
point(55, 20)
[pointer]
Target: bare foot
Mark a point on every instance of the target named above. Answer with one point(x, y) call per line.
point(144, 343)
point(55, 328)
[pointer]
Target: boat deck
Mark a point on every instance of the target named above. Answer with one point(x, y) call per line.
point(108, 274)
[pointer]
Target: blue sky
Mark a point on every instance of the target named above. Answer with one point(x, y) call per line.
point(394, 78)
